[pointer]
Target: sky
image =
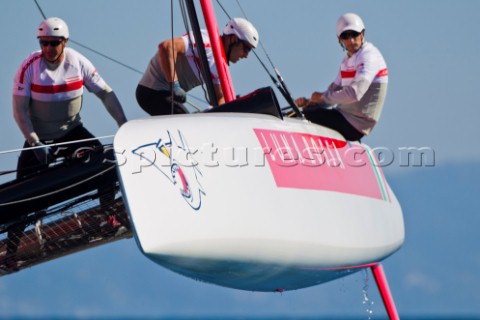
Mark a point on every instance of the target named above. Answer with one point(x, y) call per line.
point(429, 47)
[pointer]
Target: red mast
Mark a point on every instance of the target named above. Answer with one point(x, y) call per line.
point(218, 51)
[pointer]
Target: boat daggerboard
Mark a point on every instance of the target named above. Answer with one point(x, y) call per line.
point(253, 202)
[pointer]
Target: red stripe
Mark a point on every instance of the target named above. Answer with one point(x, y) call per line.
point(198, 63)
point(382, 73)
point(27, 65)
point(351, 74)
point(58, 88)
point(348, 74)
point(206, 45)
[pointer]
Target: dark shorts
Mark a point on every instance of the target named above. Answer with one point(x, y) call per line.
point(28, 163)
point(332, 119)
point(157, 103)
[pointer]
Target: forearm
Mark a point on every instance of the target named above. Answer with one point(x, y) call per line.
point(167, 54)
point(20, 114)
point(347, 94)
point(219, 94)
point(113, 106)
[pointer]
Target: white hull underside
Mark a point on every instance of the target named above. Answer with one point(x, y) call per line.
point(283, 224)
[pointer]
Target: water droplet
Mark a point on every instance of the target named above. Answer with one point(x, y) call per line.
point(366, 300)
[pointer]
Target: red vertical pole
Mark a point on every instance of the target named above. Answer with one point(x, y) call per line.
point(217, 49)
point(382, 284)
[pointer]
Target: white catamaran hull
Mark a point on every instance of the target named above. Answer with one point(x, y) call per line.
point(254, 202)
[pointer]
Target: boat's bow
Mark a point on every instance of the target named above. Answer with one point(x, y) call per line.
point(255, 202)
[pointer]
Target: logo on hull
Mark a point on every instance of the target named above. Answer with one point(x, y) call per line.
point(174, 159)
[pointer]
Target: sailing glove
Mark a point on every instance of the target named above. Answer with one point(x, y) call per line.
point(179, 94)
point(43, 153)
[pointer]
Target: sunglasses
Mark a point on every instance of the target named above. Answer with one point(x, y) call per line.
point(246, 47)
point(349, 34)
point(53, 43)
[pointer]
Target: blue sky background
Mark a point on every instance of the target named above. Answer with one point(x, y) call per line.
point(431, 50)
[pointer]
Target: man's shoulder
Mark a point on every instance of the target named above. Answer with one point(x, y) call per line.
point(32, 57)
point(369, 48)
point(190, 37)
point(71, 54)
point(26, 72)
point(75, 58)
point(370, 53)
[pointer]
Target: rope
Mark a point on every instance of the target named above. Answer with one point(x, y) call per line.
point(58, 190)
point(40, 9)
point(88, 48)
point(115, 60)
point(187, 30)
point(56, 144)
point(278, 81)
point(107, 57)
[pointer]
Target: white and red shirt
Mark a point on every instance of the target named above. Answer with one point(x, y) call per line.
point(56, 91)
point(187, 67)
point(360, 87)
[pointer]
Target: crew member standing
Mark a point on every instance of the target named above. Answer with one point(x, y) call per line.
point(47, 99)
point(175, 68)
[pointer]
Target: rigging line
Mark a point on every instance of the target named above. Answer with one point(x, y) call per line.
point(277, 84)
point(59, 190)
point(174, 71)
point(224, 10)
point(40, 9)
point(97, 52)
point(194, 106)
point(7, 172)
point(285, 92)
point(78, 202)
point(260, 41)
point(56, 144)
point(88, 48)
point(241, 9)
point(106, 57)
point(62, 209)
point(188, 30)
point(197, 98)
point(275, 81)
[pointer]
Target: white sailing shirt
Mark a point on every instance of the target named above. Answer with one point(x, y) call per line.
point(187, 67)
point(360, 88)
point(56, 91)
